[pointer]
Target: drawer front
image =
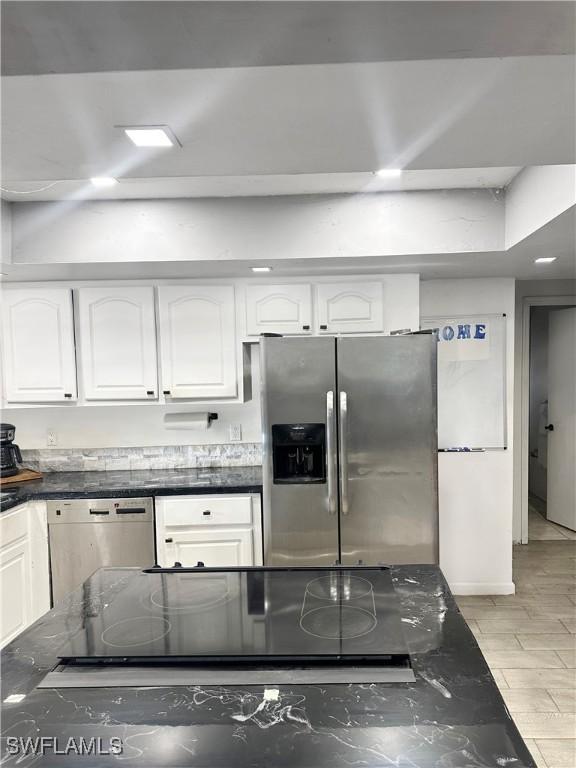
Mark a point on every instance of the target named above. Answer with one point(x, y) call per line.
point(205, 510)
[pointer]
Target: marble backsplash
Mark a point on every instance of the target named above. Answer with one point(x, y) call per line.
point(155, 457)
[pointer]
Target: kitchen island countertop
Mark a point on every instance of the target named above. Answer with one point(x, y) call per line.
point(452, 716)
point(126, 483)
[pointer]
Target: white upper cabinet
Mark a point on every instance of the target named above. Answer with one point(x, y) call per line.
point(349, 307)
point(278, 309)
point(197, 340)
point(118, 343)
point(38, 345)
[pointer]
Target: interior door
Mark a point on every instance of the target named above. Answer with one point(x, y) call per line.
point(388, 449)
point(561, 506)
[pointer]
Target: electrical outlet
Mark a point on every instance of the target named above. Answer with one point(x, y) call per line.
point(51, 438)
point(235, 432)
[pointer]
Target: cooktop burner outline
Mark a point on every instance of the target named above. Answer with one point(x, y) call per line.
point(325, 587)
point(171, 600)
point(133, 624)
point(339, 621)
point(338, 606)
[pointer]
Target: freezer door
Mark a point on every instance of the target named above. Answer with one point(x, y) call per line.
point(298, 383)
point(388, 449)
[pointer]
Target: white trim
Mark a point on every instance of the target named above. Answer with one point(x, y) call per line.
point(527, 303)
point(479, 588)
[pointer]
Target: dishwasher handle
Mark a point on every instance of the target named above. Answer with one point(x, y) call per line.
point(131, 511)
point(99, 511)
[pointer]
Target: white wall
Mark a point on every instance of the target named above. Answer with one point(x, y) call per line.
point(475, 489)
point(313, 226)
point(536, 196)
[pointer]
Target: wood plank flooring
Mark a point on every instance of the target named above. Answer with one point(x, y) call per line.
point(529, 642)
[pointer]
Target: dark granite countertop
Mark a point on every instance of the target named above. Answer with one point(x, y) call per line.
point(124, 483)
point(452, 717)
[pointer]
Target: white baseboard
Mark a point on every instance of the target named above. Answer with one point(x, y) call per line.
point(479, 588)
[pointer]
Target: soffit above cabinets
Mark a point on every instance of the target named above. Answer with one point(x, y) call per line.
point(136, 188)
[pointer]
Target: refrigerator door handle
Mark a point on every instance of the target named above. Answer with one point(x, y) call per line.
point(344, 452)
point(330, 453)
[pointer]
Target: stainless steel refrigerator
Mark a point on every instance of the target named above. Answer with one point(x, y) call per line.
point(350, 450)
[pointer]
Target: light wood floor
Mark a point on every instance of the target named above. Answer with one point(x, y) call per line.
point(529, 642)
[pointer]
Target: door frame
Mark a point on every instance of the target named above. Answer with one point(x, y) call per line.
point(527, 303)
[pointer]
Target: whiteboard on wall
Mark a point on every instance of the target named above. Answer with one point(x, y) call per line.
point(471, 380)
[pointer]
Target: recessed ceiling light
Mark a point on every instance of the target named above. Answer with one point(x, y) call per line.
point(389, 173)
point(261, 269)
point(150, 136)
point(103, 181)
point(544, 259)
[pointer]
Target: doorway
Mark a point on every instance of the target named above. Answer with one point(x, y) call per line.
point(551, 423)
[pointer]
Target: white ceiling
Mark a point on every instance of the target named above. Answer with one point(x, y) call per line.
point(63, 37)
point(258, 186)
point(470, 113)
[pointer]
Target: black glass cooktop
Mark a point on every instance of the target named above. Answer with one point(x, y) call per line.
point(263, 615)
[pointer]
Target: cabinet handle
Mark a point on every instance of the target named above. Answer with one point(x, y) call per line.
point(323, 327)
point(168, 541)
point(67, 394)
point(206, 512)
point(305, 327)
point(149, 391)
point(165, 391)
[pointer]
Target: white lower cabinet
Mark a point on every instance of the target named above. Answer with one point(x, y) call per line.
point(215, 547)
point(15, 589)
point(24, 570)
point(217, 530)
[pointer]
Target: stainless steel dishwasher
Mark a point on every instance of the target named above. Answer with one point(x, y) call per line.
point(87, 534)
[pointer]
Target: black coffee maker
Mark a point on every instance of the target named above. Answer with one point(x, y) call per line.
point(10, 455)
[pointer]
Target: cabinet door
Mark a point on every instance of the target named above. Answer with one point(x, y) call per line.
point(38, 345)
point(118, 343)
point(215, 547)
point(278, 309)
point(24, 569)
point(349, 307)
point(197, 338)
point(14, 590)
